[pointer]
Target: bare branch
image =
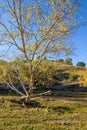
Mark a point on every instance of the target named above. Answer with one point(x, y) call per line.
point(21, 81)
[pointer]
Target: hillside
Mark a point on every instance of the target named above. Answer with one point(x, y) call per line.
point(48, 74)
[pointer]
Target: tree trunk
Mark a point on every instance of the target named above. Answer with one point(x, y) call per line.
point(30, 92)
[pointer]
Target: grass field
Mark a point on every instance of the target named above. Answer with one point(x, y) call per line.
point(61, 111)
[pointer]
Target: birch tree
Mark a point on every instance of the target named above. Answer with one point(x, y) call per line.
point(35, 28)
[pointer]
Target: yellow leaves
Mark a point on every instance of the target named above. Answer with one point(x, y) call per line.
point(34, 62)
point(43, 31)
point(50, 36)
point(25, 79)
point(2, 72)
point(33, 47)
point(62, 28)
point(53, 2)
point(35, 34)
point(57, 48)
point(66, 0)
point(71, 12)
point(44, 74)
point(48, 20)
point(29, 12)
point(26, 20)
point(83, 77)
point(47, 0)
point(50, 78)
point(13, 34)
point(37, 13)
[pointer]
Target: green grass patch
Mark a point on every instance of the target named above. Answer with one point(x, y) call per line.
point(54, 113)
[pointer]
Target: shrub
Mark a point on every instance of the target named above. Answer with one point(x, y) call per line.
point(82, 64)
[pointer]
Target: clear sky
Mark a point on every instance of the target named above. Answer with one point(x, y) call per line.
point(80, 37)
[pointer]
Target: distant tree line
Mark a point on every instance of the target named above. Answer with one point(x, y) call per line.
point(68, 61)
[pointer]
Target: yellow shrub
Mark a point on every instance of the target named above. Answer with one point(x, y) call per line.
point(83, 77)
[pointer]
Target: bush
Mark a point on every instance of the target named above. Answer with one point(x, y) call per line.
point(68, 61)
point(60, 60)
point(82, 64)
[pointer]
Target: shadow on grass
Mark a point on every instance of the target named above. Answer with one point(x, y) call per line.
point(33, 103)
point(62, 109)
point(56, 93)
point(57, 109)
point(70, 95)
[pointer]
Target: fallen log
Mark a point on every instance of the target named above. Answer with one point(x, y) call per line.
point(23, 98)
point(36, 95)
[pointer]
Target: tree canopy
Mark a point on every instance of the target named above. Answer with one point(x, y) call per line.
point(36, 28)
point(81, 63)
point(68, 61)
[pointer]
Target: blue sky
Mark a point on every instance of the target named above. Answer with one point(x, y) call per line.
point(80, 37)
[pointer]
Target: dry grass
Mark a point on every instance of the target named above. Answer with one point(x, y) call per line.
point(55, 113)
